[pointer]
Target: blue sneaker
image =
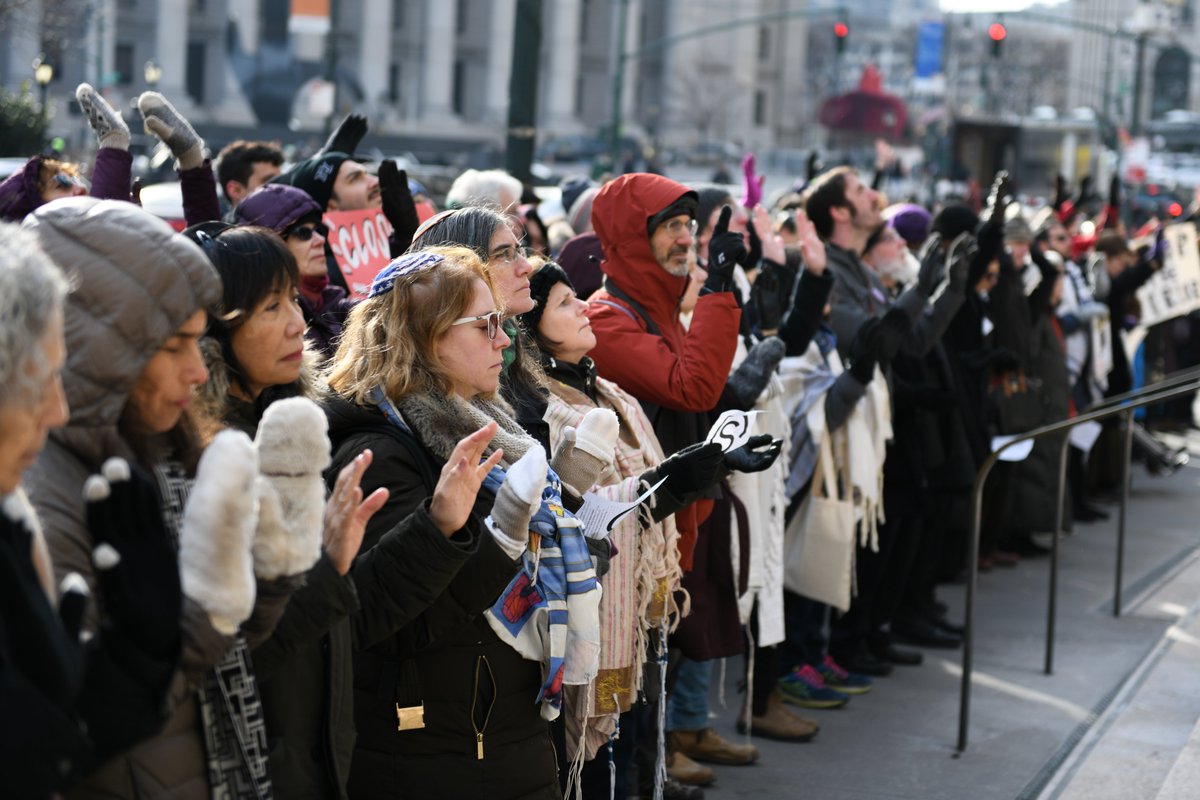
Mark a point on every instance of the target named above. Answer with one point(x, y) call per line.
point(806, 688)
point(842, 680)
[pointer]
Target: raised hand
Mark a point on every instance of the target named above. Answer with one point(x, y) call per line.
point(583, 453)
point(811, 247)
point(752, 183)
point(725, 249)
point(347, 513)
point(772, 243)
point(462, 475)
point(398, 205)
point(106, 122)
point(169, 125)
point(346, 136)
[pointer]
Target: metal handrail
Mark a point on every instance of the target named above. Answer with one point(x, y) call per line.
point(1167, 382)
point(1124, 406)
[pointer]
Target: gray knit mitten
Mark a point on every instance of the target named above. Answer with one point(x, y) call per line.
point(585, 451)
point(107, 123)
point(520, 495)
point(752, 376)
point(177, 133)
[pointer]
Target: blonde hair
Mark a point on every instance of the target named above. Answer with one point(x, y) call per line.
point(391, 340)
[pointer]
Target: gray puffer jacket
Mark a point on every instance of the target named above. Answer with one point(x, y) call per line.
point(136, 281)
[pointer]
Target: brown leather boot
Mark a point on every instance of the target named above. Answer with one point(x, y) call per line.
point(707, 745)
point(686, 771)
point(779, 722)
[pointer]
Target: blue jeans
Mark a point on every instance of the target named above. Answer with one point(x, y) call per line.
point(687, 706)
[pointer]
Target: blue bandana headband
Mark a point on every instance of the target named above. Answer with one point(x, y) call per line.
point(407, 264)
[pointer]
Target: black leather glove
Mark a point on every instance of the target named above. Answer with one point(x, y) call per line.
point(1114, 193)
point(346, 137)
point(864, 350)
point(770, 295)
point(140, 587)
point(725, 250)
point(933, 265)
point(398, 206)
point(754, 373)
point(753, 255)
point(813, 168)
point(1085, 191)
point(894, 326)
point(756, 455)
point(690, 470)
point(965, 257)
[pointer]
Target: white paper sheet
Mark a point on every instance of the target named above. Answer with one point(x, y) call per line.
point(600, 515)
point(1018, 452)
point(732, 429)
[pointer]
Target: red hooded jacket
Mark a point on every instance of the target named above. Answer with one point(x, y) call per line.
point(683, 369)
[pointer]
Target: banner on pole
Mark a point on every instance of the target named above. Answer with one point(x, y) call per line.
point(359, 241)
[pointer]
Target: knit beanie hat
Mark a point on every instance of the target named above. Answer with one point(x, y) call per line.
point(540, 284)
point(909, 220)
point(953, 220)
point(315, 176)
point(580, 258)
point(686, 203)
point(572, 187)
point(19, 194)
point(579, 213)
point(276, 206)
point(1016, 229)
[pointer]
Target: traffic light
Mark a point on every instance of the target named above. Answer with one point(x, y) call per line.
point(997, 33)
point(840, 31)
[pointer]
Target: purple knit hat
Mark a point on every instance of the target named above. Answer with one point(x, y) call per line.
point(276, 206)
point(580, 258)
point(909, 220)
point(19, 194)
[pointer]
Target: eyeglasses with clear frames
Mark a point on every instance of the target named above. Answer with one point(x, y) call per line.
point(509, 253)
point(494, 318)
point(676, 227)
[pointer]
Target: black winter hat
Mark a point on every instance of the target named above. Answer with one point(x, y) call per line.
point(540, 284)
point(315, 176)
point(953, 220)
point(686, 203)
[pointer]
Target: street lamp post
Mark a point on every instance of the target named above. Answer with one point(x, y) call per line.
point(153, 73)
point(43, 73)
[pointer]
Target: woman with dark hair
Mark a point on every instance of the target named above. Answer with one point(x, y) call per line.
point(418, 367)
point(490, 235)
point(256, 358)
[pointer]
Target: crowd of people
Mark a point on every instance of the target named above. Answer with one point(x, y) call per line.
point(265, 539)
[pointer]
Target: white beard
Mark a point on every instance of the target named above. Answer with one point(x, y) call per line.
point(903, 270)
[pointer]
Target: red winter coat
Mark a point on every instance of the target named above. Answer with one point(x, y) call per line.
point(683, 369)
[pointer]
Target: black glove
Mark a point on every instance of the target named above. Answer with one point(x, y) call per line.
point(141, 589)
point(601, 552)
point(754, 373)
point(345, 137)
point(813, 167)
point(1061, 191)
point(770, 294)
point(690, 470)
point(933, 265)
point(1085, 191)
point(965, 258)
point(1038, 257)
point(754, 252)
point(398, 206)
point(864, 350)
point(1114, 193)
point(894, 327)
point(725, 250)
point(756, 455)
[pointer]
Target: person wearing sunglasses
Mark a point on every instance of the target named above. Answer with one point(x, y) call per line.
point(295, 216)
point(418, 368)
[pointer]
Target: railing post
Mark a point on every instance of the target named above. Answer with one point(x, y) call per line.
point(964, 695)
point(1052, 606)
point(1127, 419)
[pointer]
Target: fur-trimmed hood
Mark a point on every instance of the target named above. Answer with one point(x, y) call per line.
point(214, 402)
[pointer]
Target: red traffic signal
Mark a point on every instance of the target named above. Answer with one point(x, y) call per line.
point(841, 30)
point(1175, 209)
point(997, 32)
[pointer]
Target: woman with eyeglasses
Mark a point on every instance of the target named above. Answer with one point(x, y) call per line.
point(490, 234)
point(295, 216)
point(255, 352)
point(448, 707)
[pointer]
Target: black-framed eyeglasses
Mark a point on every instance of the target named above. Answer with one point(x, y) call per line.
point(494, 319)
point(302, 233)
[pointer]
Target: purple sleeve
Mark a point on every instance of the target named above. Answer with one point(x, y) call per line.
point(110, 175)
point(199, 187)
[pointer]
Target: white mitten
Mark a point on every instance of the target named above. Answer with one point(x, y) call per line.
point(520, 495)
point(293, 451)
point(215, 565)
point(584, 452)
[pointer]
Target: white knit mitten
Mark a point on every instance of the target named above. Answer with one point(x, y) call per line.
point(106, 121)
point(293, 451)
point(520, 495)
point(585, 451)
point(215, 564)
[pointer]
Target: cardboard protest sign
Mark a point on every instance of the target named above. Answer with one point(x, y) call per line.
point(1175, 289)
point(359, 240)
